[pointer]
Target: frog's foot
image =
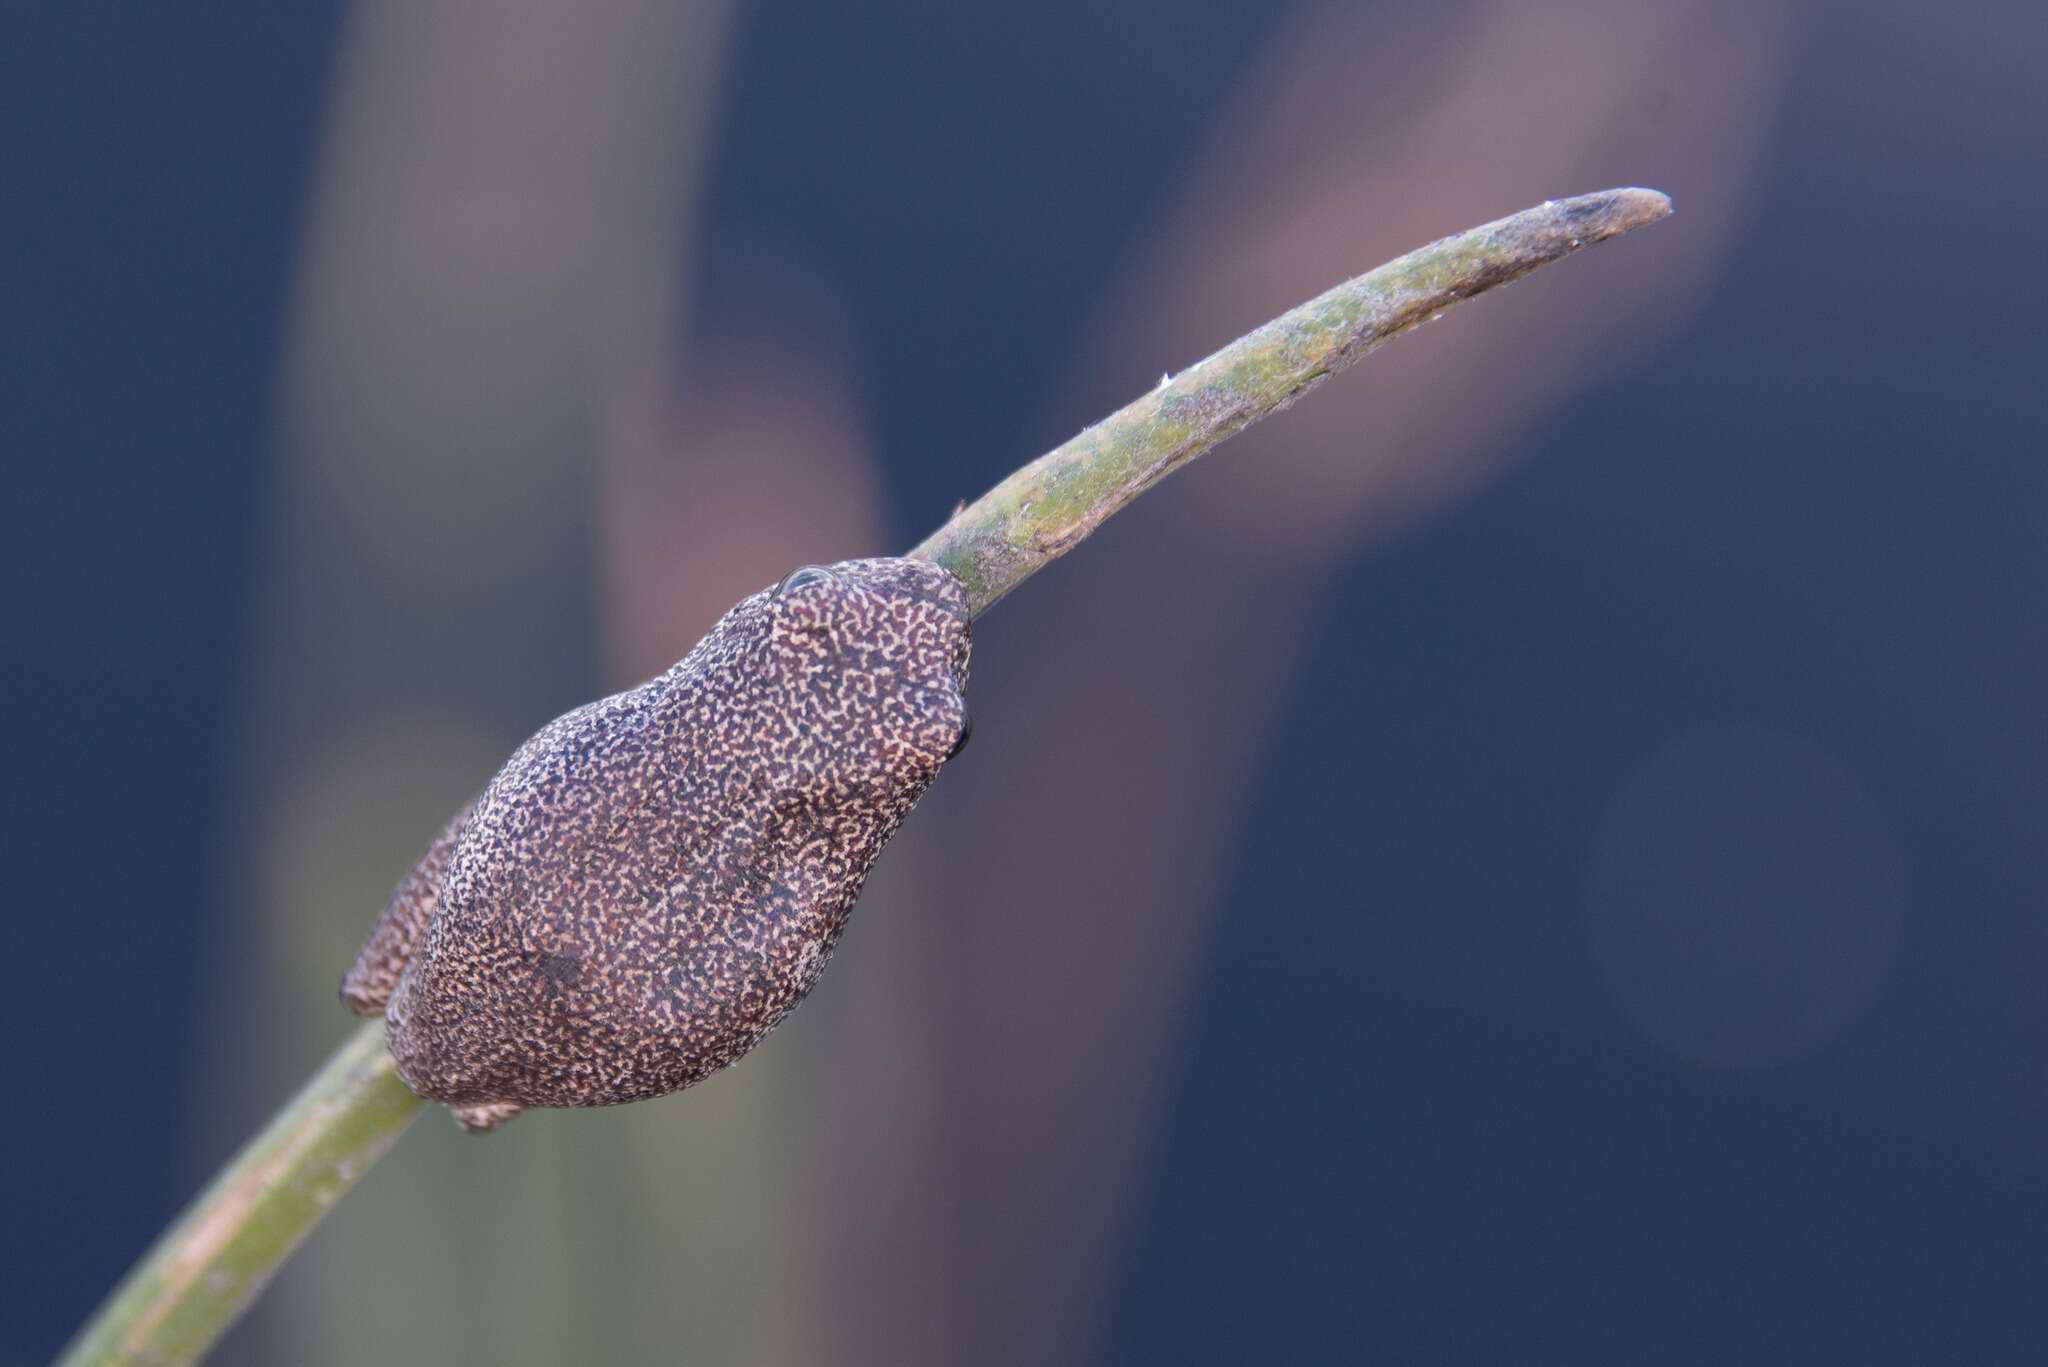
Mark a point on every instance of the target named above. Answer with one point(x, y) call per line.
point(485, 1116)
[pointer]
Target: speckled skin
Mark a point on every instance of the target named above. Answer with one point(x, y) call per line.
point(654, 880)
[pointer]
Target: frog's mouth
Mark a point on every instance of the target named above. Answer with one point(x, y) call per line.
point(949, 602)
point(962, 649)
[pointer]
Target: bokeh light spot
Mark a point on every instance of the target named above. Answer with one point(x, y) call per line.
point(1744, 903)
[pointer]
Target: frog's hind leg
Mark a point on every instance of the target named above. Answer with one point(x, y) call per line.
point(371, 978)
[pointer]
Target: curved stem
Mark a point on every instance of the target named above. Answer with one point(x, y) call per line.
point(203, 1271)
point(1051, 505)
point(206, 1268)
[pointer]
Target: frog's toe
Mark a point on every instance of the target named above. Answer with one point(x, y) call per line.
point(485, 1116)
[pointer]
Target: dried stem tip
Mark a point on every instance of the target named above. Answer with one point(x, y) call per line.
point(1045, 509)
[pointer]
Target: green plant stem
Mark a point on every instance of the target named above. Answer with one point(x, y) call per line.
point(203, 1271)
point(1051, 505)
point(206, 1268)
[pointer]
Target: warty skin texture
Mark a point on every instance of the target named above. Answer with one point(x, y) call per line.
point(654, 880)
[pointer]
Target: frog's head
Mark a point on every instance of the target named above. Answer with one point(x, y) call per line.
point(864, 666)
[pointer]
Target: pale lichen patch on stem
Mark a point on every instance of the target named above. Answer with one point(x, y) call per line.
point(1047, 508)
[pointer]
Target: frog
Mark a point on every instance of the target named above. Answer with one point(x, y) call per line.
point(654, 880)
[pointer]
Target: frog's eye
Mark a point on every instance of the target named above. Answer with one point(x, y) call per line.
point(808, 574)
point(966, 734)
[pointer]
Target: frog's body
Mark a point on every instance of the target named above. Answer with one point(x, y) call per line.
point(654, 880)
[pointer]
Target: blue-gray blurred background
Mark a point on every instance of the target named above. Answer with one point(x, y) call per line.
point(1537, 854)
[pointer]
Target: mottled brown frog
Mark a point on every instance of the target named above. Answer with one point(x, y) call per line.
point(654, 880)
